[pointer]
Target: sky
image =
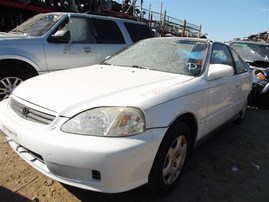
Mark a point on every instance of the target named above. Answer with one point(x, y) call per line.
point(222, 20)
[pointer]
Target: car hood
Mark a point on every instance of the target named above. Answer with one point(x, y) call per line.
point(6, 35)
point(14, 39)
point(71, 91)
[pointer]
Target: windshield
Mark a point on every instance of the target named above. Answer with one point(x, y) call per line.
point(37, 25)
point(257, 49)
point(171, 55)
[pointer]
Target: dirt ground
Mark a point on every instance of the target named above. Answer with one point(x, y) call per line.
point(232, 165)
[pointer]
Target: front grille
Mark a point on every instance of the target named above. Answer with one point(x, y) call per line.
point(31, 114)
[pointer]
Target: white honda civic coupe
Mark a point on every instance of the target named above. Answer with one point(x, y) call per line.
point(131, 120)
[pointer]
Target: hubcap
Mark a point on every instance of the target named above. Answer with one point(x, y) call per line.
point(174, 160)
point(7, 85)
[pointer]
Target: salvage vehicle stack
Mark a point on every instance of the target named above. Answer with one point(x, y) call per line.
point(256, 55)
point(128, 108)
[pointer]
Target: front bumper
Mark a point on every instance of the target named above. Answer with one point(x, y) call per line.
point(102, 164)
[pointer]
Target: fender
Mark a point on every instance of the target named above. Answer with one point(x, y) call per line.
point(38, 68)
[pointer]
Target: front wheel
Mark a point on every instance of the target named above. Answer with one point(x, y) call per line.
point(8, 83)
point(170, 159)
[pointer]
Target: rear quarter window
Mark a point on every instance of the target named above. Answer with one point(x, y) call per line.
point(240, 66)
point(138, 31)
point(107, 32)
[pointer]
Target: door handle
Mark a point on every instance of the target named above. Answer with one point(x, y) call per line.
point(87, 50)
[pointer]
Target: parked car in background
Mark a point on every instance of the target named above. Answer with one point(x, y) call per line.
point(57, 41)
point(256, 54)
point(131, 120)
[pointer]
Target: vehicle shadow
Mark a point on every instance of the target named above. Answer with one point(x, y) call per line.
point(7, 195)
point(138, 194)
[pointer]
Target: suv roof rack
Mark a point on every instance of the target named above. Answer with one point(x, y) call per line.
point(105, 12)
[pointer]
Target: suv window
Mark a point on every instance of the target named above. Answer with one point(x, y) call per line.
point(138, 31)
point(221, 55)
point(240, 66)
point(107, 32)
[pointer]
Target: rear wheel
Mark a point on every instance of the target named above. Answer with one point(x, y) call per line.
point(170, 160)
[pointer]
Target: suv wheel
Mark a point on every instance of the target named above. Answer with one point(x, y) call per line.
point(9, 82)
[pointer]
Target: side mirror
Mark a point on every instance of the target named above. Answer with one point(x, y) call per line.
point(217, 71)
point(61, 36)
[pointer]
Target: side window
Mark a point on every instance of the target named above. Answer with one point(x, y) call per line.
point(221, 55)
point(240, 66)
point(107, 32)
point(138, 31)
point(79, 30)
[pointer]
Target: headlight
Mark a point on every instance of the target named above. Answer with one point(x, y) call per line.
point(107, 121)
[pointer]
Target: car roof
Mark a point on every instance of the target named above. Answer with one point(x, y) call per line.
point(96, 16)
point(250, 42)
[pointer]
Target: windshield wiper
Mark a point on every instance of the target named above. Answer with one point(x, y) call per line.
point(104, 63)
point(139, 67)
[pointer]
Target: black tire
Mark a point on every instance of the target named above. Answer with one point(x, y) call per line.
point(9, 81)
point(171, 159)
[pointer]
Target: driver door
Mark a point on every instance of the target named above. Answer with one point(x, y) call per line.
point(223, 93)
point(79, 51)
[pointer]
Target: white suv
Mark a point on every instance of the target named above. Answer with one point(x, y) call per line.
point(57, 41)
